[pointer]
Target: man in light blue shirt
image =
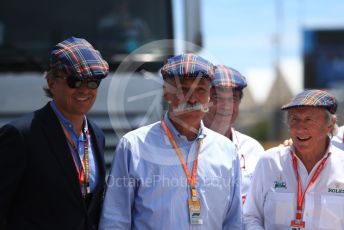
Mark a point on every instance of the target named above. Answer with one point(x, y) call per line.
point(176, 173)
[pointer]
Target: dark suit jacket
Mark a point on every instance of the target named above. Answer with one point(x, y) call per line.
point(39, 187)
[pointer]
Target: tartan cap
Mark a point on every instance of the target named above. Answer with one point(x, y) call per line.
point(187, 66)
point(314, 98)
point(228, 78)
point(77, 57)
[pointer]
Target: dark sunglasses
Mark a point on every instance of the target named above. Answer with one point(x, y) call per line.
point(77, 83)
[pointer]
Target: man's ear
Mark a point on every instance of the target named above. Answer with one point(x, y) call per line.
point(167, 96)
point(51, 83)
point(333, 123)
point(169, 90)
point(164, 91)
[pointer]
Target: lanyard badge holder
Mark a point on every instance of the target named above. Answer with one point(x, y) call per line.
point(297, 224)
point(195, 211)
point(194, 203)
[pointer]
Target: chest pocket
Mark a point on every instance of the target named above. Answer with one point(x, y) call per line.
point(279, 208)
point(332, 212)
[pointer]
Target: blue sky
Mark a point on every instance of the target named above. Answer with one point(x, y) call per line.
point(239, 33)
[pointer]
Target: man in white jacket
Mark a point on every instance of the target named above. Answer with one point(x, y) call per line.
point(226, 95)
point(301, 186)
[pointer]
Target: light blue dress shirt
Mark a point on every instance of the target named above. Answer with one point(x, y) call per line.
point(147, 186)
point(79, 142)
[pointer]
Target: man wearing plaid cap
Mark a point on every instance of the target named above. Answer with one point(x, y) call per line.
point(176, 173)
point(226, 95)
point(300, 186)
point(52, 167)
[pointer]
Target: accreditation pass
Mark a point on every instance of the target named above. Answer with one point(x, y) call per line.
point(195, 210)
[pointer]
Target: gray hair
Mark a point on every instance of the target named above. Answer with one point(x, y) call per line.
point(330, 118)
point(52, 74)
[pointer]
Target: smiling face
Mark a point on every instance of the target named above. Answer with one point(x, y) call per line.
point(73, 103)
point(182, 95)
point(224, 110)
point(309, 128)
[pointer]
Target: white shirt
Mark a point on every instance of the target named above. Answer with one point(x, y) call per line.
point(271, 200)
point(249, 151)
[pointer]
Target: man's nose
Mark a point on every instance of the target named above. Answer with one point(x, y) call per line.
point(192, 97)
point(300, 126)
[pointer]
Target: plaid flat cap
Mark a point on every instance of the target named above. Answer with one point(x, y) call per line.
point(314, 98)
point(78, 57)
point(187, 66)
point(228, 78)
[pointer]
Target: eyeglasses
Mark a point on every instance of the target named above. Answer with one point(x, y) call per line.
point(77, 83)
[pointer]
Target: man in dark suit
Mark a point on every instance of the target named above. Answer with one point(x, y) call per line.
point(52, 167)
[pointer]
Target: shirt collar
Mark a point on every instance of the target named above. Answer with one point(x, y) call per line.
point(65, 122)
point(328, 149)
point(235, 139)
point(201, 132)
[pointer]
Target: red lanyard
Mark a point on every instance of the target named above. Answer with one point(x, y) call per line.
point(83, 172)
point(191, 178)
point(300, 195)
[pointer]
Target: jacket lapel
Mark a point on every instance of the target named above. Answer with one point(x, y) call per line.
point(98, 146)
point(98, 143)
point(60, 149)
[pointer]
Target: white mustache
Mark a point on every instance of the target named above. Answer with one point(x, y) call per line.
point(187, 107)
